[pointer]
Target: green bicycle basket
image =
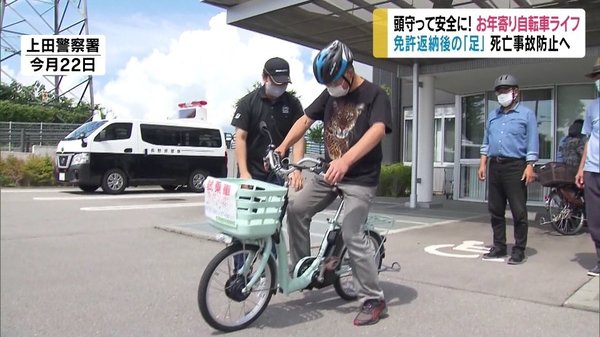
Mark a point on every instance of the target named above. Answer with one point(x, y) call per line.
point(243, 208)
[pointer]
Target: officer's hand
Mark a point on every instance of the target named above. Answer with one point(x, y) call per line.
point(245, 175)
point(280, 151)
point(579, 178)
point(528, 175)
point(481, 172)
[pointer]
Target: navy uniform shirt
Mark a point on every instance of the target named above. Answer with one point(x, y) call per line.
point(279, 115)
point(512, 134)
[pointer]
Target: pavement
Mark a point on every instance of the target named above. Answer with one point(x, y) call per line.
point(454, 234)
point(75, 264)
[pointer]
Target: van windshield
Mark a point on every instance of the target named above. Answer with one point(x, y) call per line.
point(85, 129)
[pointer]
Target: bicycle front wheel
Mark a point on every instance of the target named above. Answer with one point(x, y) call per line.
point(344, 282)
point(223, 304)
point(564, 219)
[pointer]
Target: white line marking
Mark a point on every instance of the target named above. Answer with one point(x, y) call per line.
point(445, 222)
point(434, 250)
point(132, 207)
point(113, 197)
point(23, 190)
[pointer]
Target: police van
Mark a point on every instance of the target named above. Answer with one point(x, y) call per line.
point(115, 154)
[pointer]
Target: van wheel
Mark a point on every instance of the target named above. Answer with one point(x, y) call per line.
point(196, 181)
point(88, 188)
point(114, 181)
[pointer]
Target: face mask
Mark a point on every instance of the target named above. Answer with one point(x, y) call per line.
point(338, 91)
point(597, 85)
point(275, 90)
point(505, 99)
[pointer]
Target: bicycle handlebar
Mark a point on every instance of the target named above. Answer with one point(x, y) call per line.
point(283, 166)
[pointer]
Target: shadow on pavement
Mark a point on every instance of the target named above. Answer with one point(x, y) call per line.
point(586, 260)
point(312, 305)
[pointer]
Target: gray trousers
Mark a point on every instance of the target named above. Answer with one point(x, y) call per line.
point(314, 197)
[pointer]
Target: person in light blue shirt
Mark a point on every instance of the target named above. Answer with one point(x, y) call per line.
point(510, 146)
point(588, 175)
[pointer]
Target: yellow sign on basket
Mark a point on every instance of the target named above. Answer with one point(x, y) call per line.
point(479, 33)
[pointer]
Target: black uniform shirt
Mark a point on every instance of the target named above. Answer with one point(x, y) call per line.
point(279, 115)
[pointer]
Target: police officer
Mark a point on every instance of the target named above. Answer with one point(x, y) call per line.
point(510, 146)
point(279, 109)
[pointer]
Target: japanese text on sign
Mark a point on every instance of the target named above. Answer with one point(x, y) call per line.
point(220, 201)
point(63, 54)
point(479, 33)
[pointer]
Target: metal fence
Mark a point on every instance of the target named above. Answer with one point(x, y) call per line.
point(20, 136)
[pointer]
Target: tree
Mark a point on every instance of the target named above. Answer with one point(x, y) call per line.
point(19, 103)
point(315, 133)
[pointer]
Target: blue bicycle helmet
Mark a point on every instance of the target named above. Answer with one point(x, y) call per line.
point(331, 63)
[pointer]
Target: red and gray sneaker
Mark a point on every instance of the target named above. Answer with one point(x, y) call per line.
point(370, 312)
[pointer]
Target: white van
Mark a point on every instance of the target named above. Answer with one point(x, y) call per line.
point(114, 154)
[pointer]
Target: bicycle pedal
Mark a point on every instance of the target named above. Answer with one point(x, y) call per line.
point(331, 263)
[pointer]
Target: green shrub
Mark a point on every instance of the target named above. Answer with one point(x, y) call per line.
point(394, 180)
point(34, 171)
point(38, 171)
point(11, 171)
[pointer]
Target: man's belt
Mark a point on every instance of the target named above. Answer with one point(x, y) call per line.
point(504, 160)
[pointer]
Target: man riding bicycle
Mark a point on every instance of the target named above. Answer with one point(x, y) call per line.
point(357, 115)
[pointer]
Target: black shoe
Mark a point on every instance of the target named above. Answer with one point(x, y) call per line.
point(517, 257)
point(495, 253)
point(594, 271)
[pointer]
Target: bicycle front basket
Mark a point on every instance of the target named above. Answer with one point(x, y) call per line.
point(243, 208)
point(556, 174)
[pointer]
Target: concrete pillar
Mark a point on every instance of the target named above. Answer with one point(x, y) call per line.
point(425, 139)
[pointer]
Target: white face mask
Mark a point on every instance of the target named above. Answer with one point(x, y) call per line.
point(275, 90)
point(505, 99)
point(338, 91)
point(597, 85)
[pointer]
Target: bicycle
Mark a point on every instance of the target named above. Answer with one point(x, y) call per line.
point(233, 294)
point(564, 203)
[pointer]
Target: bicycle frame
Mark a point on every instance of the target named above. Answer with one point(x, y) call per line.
point(286, 283)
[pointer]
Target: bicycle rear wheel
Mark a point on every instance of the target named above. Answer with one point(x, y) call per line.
point(344, 282)
point(222, 303)
point(565, 219)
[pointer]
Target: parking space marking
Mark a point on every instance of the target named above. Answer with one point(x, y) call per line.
point(134, 207)
point(434, 224)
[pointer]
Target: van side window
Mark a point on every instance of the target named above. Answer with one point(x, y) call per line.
point(115, 131)
point(180, 136)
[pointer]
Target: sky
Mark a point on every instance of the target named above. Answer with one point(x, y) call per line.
point(161, 53)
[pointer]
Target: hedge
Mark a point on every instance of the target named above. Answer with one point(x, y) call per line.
point(38, 171)
point(34, 171)
point(394, 180)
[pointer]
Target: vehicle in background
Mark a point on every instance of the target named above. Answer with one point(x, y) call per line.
point(115, 154)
